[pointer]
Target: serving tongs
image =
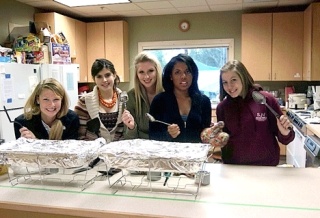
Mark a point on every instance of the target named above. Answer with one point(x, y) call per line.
point(261, 99)
point(9, 118)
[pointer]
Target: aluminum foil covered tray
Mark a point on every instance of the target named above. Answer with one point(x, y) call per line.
point(142, 154)
point(50, 153)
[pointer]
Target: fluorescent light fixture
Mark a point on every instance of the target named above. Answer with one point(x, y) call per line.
point(79, 3)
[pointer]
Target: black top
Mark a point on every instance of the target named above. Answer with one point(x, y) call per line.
point(70, 121)
point(164, 107)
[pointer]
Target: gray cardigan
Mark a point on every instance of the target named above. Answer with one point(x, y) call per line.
point(141, 129)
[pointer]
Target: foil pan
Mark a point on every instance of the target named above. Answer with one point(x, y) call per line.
point(50, 153)
point(144, 155)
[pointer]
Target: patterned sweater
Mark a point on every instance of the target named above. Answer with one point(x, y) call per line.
point(88, 110)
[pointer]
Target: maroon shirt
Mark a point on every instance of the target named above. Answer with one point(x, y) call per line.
point(253, 131)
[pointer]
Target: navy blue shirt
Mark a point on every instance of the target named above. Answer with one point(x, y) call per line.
point(70, 121)
point(164, 107)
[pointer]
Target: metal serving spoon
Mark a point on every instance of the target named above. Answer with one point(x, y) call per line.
point(124, 98)
point(152, 119)
point(261, 99)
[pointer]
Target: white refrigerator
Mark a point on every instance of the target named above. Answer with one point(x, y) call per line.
point(17, 81)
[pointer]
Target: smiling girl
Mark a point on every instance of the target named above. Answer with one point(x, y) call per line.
point(100, 111)
point(147, 84)
point(47, 115)
point(254, 131)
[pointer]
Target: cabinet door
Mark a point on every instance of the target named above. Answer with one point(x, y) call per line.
point(256, 45)
point(116, 47)
point(95, 44)
point(81, 49)
point(287, 46)
point(315, 53)
point(311, 64)
point(307, 43)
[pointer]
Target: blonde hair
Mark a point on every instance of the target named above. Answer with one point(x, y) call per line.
point(138, 87)
point(32, 106)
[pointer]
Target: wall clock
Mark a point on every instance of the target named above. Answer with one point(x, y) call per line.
point(184, 26)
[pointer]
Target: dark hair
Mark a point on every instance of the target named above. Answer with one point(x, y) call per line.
point(239, 68)
point(100, 64)
point(192, 67)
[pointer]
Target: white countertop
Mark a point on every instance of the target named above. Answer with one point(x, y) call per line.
point(235, 191)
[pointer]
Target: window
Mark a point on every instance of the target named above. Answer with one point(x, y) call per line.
point(209, 55)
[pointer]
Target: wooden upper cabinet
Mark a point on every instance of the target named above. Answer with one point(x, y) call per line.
point(81, 45)
point(256, 45)
point(109, 40)
point(117, 47)
point(272, 45)
point(60, 23)
point(287, 46)
point(311, 63)
point(95, 44)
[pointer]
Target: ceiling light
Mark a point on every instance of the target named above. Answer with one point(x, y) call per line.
point(79, 3)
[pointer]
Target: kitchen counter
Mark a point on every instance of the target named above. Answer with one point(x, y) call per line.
point(235, 191)
point(314, 128)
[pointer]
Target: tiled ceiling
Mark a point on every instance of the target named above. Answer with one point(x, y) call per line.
point(161, 7)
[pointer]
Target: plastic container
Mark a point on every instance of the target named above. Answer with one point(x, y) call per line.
point(154, 176)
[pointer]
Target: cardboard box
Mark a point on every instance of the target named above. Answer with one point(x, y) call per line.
point(59, 53)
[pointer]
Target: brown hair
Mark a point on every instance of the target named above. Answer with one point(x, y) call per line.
point(239, 68)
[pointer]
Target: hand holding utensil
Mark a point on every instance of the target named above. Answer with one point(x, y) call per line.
point(152, 119)
point(261, 99)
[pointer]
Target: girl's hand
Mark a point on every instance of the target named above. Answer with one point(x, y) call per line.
point(128, 119)
point(174, 130)
point(284, 124)
point(214, 135)
point(26, 133)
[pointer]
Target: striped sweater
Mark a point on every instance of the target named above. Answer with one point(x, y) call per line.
point(87, 109)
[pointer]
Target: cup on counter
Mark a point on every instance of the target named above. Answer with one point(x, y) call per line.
point(204, 176)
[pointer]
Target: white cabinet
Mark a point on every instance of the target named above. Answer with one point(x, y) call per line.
point(296, 154)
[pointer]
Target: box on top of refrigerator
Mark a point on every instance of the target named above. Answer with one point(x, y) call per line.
point(59, 53)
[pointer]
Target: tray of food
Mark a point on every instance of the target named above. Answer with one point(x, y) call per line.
point(145, 155)
point(50, 153)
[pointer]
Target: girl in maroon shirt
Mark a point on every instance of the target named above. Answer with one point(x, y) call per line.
point(254, 131)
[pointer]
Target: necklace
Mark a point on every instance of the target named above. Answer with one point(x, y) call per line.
point(106, 104)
